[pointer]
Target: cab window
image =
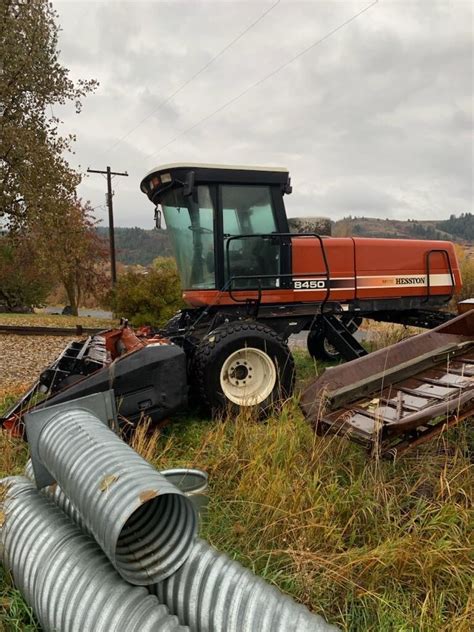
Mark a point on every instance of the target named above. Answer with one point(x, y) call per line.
point(190, 225)
point(250, 261)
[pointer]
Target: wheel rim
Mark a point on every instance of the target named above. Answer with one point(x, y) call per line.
point(248, 376)
point(330, 349)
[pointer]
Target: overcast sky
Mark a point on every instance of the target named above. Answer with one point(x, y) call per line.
point(374, 120)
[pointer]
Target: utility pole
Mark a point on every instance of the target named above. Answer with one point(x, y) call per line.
point(109, 173)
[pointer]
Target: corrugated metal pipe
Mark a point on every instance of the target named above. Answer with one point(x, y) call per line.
point(64, 575)
point(59, 497)
point(193, 483)
point(145, 525)
point(212, 593)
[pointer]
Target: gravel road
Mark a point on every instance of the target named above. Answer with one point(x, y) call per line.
point(22, 358)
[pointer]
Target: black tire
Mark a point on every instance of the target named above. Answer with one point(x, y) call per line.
point(217, 349)
point(320, 348)
point(318, 345)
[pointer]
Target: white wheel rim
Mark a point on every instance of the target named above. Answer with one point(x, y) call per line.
point(248, 376)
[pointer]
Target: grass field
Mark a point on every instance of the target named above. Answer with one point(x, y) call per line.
point(370, 546)
point(41, 319)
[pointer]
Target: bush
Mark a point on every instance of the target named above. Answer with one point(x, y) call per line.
point(150, 297)
point(22, 285)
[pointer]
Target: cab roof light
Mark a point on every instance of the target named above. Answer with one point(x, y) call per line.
point(154, 183)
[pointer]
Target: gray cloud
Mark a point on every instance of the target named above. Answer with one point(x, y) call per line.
point(375, 120)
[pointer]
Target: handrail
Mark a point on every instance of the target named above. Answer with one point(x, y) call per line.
point(277, 276)
point(428, 256)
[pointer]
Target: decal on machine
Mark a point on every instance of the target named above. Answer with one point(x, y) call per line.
point(371, 282)
point(310, 284)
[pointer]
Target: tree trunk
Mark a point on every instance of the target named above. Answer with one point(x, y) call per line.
point(71, 297)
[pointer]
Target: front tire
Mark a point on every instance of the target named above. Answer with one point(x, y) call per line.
point(244, 365)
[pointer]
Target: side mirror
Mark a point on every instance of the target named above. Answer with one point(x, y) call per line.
point(157, 217)
point(189, 184)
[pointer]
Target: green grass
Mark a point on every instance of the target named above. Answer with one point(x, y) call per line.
point(370, 546)
point(307, 367)
point(41, 319)
point(15, 614)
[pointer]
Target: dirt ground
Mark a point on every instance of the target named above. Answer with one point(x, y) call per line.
point(22, 358)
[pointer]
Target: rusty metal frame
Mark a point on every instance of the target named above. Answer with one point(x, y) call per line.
point(400, 396)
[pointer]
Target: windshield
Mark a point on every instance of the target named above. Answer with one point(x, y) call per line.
point(191, 229)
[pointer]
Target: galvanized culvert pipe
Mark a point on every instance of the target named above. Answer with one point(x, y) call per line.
point(144, 524)
point(193, 483)
point(212, 593)
point(64, 575)
point(59, 497)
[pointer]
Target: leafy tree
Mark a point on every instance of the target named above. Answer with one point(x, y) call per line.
point(22, 286)
point(67, 244)
point(33, 172)
point(151, 298)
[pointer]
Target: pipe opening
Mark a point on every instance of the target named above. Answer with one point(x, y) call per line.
point(156, 539)
point(187, 480)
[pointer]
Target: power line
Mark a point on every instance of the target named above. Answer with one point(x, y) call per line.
point(263, 79)
point(193, 77)
point(109, 173)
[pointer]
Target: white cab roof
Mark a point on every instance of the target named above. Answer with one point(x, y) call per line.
point(197, 165)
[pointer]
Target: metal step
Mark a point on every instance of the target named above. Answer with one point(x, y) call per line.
point(341, 338)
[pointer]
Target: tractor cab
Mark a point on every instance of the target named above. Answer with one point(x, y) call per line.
point(220, 220)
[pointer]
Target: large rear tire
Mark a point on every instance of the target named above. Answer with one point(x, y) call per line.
point(242, 365)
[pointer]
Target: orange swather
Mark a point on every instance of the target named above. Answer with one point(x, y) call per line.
point(359, 268)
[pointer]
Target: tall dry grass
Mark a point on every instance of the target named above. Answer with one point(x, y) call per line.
point(13, 452)
point(466, 265)
point(371, 546)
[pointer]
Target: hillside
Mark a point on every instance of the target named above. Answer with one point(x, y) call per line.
point(141, 246)
point(458, 229)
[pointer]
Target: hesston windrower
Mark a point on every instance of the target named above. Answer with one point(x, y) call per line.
point(249, 284)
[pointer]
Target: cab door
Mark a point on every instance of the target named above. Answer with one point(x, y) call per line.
point(254, 255)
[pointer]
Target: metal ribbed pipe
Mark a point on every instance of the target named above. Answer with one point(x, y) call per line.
point(59, 497)
point(212, 593)
point(145, 525)
point(64, 575)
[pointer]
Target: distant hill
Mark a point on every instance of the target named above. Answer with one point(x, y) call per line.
point(462, 226)
point(459, 229)
point(139, 246)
